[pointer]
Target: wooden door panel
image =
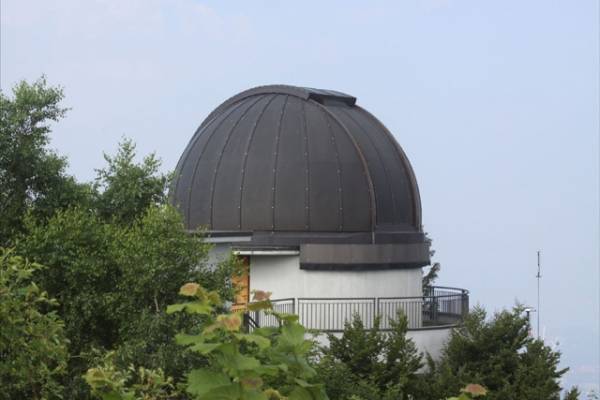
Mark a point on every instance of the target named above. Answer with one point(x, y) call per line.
point(241, 284)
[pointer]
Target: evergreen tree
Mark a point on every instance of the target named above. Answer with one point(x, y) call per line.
point(500, 355)
point(125, 189)
point(572, 394)
point(371, 364)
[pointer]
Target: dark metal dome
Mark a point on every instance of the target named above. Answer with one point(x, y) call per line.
point(296, 165)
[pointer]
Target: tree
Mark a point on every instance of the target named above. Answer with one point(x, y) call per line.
point(371, 364)
point(33, 347)
point(572, 394)
point(430, 277)
point(126, 189)
point(115, 281)
point(500, 355)
point(32, 177)
point(115, 252)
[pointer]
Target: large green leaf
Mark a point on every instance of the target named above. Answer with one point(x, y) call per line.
point(313, 392)
point(260, 341)
point(300, 393)
point(201, 381)
point(234, 361)
point(260, 305)
point(183, 339)
point(194, 307)
point(271, 370)
point(245, 363)
point(197, 307)
point(205, 348)
point(292, 334)
point(232, 391)
point(173, 308)
point(254, 395)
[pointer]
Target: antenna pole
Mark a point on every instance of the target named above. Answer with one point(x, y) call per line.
point(538, 276)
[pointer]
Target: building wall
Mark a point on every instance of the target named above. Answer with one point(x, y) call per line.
point(282, 276)
point(430, 341)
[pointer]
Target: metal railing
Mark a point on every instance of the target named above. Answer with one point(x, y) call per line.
point(439, 306)
point(284, 306)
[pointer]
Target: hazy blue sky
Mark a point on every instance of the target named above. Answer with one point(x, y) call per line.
point(495, 103)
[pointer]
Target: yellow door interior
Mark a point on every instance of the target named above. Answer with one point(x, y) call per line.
point(241, 284)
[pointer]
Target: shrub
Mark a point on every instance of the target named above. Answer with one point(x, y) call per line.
point(33, 347)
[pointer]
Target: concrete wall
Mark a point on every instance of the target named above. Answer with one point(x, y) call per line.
point(430, 341)
point(282, 276)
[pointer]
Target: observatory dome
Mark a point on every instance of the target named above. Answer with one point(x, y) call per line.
point(291, 165)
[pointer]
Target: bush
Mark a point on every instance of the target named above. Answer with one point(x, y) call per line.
point(33, 347)
point(266, 364)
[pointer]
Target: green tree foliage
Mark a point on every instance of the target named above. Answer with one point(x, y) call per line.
point(572, 394)
point(268, 363)
point(32, 177)
point(33, 347)
point(500, 355)
point(430, 277)
point(125, 189)
point(114, 282)
point(81, 273)
point(110, 382)
point(371, 364)
point(115, 252)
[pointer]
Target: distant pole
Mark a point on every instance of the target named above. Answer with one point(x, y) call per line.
point(538, 276)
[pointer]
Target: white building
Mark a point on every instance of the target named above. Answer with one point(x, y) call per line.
point(321, 201)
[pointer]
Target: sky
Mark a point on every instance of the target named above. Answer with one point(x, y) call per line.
point(495, 103)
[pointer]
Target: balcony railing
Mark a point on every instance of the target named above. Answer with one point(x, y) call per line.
point(439, 306)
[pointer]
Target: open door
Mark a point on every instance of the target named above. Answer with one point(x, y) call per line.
point(241, 284)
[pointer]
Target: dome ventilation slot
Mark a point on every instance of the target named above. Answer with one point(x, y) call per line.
point(330, 97)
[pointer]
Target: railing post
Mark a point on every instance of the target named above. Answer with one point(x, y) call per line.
point(375, 310)
point(246, 322)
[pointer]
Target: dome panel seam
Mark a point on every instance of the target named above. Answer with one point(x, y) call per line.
point(366, 170)
point(216, 171)
point(197, 163)
point(416, 197)
point(247, 150)
point(339, 176)
point(188, 150)
point(307, 170)
point(275, 161)
point(380, 158)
